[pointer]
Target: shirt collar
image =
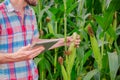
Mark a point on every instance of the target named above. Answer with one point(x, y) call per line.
point(10, 7)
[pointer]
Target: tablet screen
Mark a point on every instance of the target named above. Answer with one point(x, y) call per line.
point(46, 44)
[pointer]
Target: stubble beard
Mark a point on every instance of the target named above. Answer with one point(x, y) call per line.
point(31, 2)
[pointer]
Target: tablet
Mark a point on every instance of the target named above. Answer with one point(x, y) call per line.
point(46, 44)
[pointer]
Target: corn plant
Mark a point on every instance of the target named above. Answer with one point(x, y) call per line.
point(69, 60)
point(98, 57)
point(61, 18)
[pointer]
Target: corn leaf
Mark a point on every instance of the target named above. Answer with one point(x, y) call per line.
point(113, 64)
point(96, 51)
point(64, 73)
point(90, 74)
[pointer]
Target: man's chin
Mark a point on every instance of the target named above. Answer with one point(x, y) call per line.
point(34, 3)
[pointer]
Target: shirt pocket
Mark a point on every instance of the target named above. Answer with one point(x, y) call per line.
point(6, 34)
point(6, 39)
point(9, 33)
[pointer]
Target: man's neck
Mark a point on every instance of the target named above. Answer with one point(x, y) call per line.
point(18, 4)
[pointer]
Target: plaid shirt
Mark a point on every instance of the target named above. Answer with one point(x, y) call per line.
point(13, 35)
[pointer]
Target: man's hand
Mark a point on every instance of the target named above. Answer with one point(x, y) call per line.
point(70, 39)
point(27, 53)
point(61, 42)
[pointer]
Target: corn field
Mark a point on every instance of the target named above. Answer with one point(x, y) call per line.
point(98, 24)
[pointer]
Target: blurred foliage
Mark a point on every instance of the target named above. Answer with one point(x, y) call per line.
point(69, 16)
point(98, 24)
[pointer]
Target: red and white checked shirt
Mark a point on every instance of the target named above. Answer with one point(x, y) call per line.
point(13, 35)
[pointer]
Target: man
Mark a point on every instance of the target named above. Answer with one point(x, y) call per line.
point(18, 29)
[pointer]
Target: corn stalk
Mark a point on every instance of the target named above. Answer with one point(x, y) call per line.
point(67, 68)
point(65, 23)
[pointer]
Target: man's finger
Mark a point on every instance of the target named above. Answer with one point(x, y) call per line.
point(26, 47)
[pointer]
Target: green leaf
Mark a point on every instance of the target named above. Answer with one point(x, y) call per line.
point(106, 19)
point(100, 21)
point(113, 65)
point(49, 70)
point(114, 5)
point(84, 59)
point(40, 15)
point(72, 7)
point(119, 60)
point(84, 35)
point(65, 75)
point(90, 74)
point(111, 32)
point(37, 60)
point(89, 5)
point(69, 2)
point(50, 14)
